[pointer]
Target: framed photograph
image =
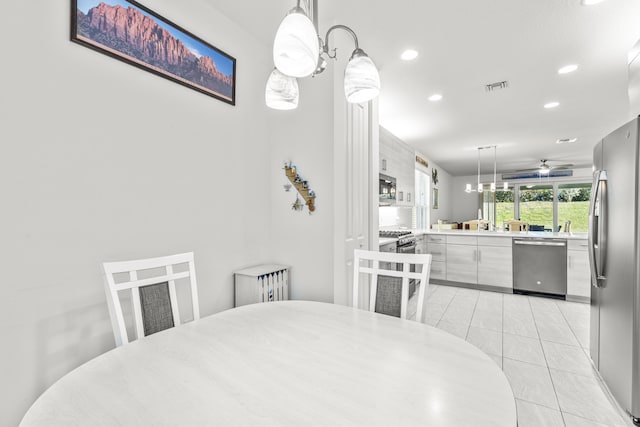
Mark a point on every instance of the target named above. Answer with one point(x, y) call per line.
point(128, 31)
point(434, 199)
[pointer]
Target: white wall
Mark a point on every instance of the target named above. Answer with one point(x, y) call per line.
point(304, 136)
point(103, 161)
point(446, 198)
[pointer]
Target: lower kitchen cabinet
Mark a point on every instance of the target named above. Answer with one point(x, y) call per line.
point(578, 273)
point(438, 270)
point(421, 244)
point(495, 267)
point(438, 253)
point(462, 263)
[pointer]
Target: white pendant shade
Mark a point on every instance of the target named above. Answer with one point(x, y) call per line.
point(296, 47)
point(281, 92)
point(361, 79)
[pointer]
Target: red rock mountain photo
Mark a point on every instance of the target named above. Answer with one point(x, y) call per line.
point(130, 32)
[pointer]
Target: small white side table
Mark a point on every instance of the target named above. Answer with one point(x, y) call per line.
point(261, 283)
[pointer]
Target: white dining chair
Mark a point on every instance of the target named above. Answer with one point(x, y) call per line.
point(391, 277)
point(151, 285)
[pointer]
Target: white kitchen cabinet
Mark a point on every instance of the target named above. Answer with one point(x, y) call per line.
point(578, 273)
point(438, 270)
point(436, 238)
point(421, 244)
point(397, 159)
point(495, 265)
point(462, 262)
point(438, 253)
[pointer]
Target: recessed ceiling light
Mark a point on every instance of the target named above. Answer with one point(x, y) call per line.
point(568, 69)
point(435, 97)
point(409, 54)
point(590, 2)
point(566, 140)
point(553, 104)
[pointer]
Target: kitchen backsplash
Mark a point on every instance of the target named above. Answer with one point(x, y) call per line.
point(395, 216)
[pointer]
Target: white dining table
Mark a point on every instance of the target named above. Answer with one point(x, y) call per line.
point(290, 363)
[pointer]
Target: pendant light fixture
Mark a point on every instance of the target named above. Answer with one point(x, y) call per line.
point(295, 47)
point(281, 92)
point(299, 52)
point(492, 186)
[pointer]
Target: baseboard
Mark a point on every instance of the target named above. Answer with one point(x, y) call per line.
point(471, 286)
point(577, 298)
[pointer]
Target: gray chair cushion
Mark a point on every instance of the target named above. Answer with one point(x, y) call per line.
point(156, 308)
point(389, 295)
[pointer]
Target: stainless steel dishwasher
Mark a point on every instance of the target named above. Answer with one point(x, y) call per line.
point(540, 266)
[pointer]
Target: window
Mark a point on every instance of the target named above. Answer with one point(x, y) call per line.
point(536, 206)
point(505, 205)
point(545, 207)
point(498, 206)
point(421, 212)
point(573, 205)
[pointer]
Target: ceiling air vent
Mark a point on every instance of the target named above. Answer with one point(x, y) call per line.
point(496, 86)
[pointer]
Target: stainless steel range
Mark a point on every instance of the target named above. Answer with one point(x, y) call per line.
point(406, 243)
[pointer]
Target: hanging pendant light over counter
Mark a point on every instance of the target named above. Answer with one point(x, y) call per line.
point(492, 186)
point(299, 52)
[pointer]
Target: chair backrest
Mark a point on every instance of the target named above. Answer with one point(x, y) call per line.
point(389, 265)
point(515, 225)
point(152, 286)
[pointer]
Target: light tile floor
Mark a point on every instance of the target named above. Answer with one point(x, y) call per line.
point(541, 344)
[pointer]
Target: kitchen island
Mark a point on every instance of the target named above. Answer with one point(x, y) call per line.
point(484, 259)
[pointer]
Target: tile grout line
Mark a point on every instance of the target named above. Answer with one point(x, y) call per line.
point(544, 354)
point(472, 314)
point(446, 308)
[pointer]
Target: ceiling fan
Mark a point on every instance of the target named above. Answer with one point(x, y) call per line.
point(544, 167)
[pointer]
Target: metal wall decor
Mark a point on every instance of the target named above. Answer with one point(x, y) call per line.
point(302, 186)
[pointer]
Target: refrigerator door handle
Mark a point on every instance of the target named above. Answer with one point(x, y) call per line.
point(597, 221)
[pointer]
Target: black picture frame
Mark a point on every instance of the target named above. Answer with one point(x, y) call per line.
point(154, 44)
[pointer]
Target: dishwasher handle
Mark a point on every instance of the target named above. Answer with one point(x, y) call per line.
point(539, 243)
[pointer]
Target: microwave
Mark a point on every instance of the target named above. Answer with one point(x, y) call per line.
point(387, 193)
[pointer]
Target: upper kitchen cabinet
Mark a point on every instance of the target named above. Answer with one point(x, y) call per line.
point(397, 160)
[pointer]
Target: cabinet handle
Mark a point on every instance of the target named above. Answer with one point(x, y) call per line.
point(384, 164)
point(479, 256)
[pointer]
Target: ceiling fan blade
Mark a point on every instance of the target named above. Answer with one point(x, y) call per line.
point(565, 166)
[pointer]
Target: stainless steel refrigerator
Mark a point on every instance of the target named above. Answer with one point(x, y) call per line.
point(614, 255)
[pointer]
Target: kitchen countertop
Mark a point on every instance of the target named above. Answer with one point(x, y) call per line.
point(518, 234)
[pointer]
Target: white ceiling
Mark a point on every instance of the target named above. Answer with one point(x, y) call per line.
point(465, 44)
